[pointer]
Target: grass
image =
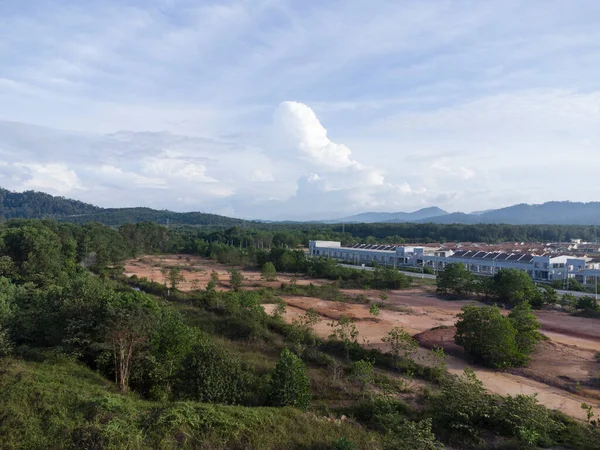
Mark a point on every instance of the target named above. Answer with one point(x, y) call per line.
point(61, 404)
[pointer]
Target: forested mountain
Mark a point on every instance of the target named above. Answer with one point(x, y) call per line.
point(35, 205)
point(38, 205)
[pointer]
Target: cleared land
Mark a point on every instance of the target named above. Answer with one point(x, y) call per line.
point(563, 372)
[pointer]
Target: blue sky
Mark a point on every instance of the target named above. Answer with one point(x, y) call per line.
point(312, 109)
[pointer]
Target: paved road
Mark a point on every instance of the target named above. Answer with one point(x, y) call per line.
point(432, 277)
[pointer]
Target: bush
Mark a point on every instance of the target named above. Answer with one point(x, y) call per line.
point(212, 375)
point(403, 434)
point(587, 303)
point(461, 408)
point(290, 385)
point(5, 343)
point(523, 417)
point(268, 272)
point(526, 324)
point(362, 372)
point(488, 337)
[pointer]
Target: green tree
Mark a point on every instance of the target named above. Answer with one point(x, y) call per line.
point(300, 333)
point(527, 326)
point(6, 345)
point(236, 279)
point(268, 271)
point(214, 277)
point(175, 277)
point(362, 372)
point(280, 309)
point(438, 362)
point(7, 267)
point(549, 295)
point(287, 261)
point(128, 332)
point(210, 374)
point(402, 344)
point(403, 434)
point(345, 331)
point(455, 279)
point(522, 416)
point(568, 300)
point(171, 341)
point(460, 409)
point(513, 286)
point(35, 251)
point(290, 385)
point(587, 303)
point(488, 337)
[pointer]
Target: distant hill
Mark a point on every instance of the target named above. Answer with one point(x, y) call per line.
point(375, 217)
point(550, 213)
point(38, 205)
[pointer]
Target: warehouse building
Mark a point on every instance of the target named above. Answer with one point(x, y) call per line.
point(539, 267)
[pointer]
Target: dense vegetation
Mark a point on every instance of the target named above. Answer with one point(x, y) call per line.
point(32, 204)
point(493, 340)
point(88, 362)
point(510, 287)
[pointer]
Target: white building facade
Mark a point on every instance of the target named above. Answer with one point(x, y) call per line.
point(538, 267)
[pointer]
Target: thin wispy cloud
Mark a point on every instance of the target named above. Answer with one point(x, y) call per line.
point(280, 109)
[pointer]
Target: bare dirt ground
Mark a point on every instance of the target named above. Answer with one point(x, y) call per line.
point(559, 373)
point(196, 272)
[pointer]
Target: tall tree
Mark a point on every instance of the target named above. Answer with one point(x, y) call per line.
point(290, 385)
point(455, 279)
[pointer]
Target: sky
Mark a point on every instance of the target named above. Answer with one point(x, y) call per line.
point(301, 110)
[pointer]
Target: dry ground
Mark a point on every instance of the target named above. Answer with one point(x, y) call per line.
point(559, 373)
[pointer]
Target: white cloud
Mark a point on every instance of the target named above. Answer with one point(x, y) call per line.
point(54, 178)
point(470, 105)
point(301, 130)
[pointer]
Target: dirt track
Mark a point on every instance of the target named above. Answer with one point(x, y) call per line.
point(558, 365)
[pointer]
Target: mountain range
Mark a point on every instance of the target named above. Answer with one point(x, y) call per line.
point(37, 205)
point(549, 213)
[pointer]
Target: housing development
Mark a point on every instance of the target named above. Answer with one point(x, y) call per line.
point(548, 266)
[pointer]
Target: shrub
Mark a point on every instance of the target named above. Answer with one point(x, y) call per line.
point(488, 337)
point(212, 375)
point(403, 434)
point(268, 272)
point(5, 343)
point(290, 385)
point(461, 408)
point(374, 310)
point(236, 279)
point(523, 417)
point(402, 344)
point(526, 324)
point(362, 372)
point(587, 303)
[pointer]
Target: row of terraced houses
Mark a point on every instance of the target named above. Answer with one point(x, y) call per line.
point(546, 267)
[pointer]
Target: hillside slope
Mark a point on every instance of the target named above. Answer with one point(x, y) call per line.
point(38, 205)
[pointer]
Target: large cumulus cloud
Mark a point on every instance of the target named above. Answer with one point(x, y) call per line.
point(293, 170)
